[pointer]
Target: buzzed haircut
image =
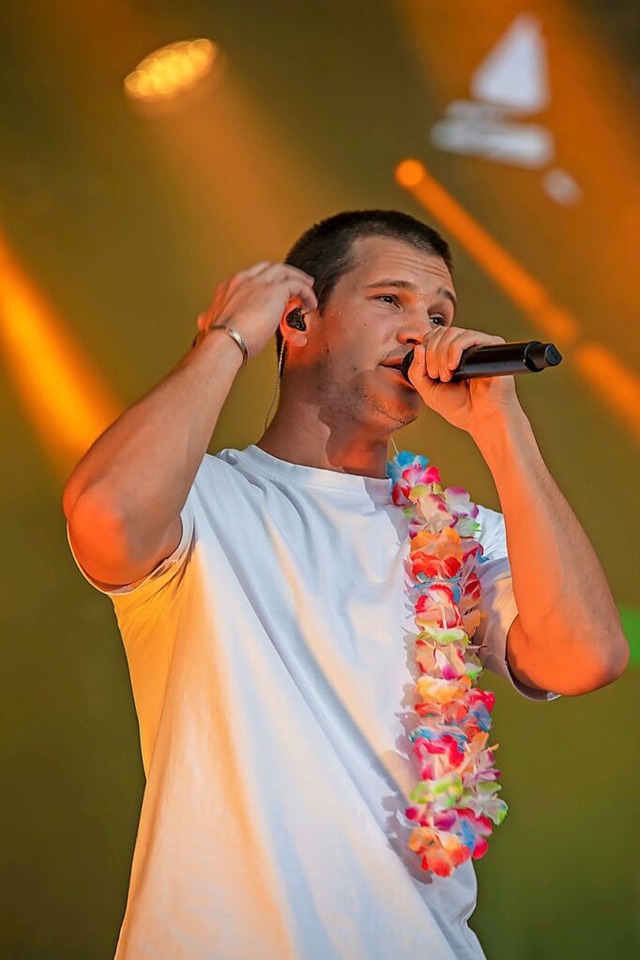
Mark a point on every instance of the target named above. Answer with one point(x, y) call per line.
point(325, 250)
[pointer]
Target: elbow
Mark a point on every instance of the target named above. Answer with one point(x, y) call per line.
point(70, 497)
point(98, 532)
point(77, 491)
point(615, 654)
point(568, 665)
point(618, 661)
point(596, 672)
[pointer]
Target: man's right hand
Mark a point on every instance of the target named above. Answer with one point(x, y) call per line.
point(254, 301)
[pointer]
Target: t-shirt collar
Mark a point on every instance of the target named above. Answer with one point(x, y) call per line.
point(375, 488)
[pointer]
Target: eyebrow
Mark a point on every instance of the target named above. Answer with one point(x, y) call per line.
point(408, 285)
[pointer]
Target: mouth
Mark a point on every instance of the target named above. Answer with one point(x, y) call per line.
point(393, 366)
point(398, 366)
point(397, 369)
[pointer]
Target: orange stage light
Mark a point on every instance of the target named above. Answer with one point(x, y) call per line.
point(617, 384)
point(171, 70)
point(510, 276)
point(62, 394)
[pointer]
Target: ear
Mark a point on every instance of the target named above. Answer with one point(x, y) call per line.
point(293, 337)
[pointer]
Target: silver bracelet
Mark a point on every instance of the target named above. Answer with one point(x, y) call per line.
point(235, 336)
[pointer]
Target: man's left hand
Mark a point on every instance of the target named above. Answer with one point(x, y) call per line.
point(469, 404)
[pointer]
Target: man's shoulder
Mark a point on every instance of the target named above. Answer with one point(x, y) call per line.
point(223, 478)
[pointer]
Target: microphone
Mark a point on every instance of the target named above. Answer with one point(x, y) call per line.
point(499, 360)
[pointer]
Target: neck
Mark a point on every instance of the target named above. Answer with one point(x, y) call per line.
point(302, 434)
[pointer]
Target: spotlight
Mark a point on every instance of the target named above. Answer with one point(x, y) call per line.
point(171, 70)
point(410, 173)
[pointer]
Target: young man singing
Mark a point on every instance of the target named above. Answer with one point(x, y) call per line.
point(262, 599)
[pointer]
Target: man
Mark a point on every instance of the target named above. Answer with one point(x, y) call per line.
point(260, 596)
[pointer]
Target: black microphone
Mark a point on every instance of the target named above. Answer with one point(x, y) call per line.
point(499, 360)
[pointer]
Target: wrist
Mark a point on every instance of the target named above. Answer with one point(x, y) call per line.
point(227, 330)
point(214, 344)
point(504, 433)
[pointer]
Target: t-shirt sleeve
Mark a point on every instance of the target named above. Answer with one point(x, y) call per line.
point(129, 596)
point(498, 603)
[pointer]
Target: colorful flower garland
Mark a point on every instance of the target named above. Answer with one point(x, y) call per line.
point(455, 802)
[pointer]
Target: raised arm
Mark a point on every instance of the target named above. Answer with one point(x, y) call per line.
point(567, 636)
point(123, 500)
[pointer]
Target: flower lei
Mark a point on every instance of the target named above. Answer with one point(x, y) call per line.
point(455, 803)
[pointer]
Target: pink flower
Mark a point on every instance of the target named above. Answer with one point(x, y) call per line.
point(436, 605)
point(431, 566)
point(482, 696)
point(419, 475)
point(445, 746)
point(471, 588)
point(459, 502)
point(413, 476)
point(472, 549)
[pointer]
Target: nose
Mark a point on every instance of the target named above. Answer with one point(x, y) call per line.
point(414, 330)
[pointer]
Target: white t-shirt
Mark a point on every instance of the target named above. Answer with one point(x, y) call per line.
point(269, 668)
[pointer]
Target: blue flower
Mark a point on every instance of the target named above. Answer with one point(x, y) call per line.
point(403, 460)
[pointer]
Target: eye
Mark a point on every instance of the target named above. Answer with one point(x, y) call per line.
point(389, 298)
point(439, 320)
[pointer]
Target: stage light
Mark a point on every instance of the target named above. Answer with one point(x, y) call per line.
point(618, 385)
point(409, 173)
point(517, 283)
point(171, 70)
point(63, 394)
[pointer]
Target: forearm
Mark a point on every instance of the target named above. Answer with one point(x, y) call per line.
point(571, 634)
point(138, 473)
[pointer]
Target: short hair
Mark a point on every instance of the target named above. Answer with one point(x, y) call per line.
point(325, 250)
